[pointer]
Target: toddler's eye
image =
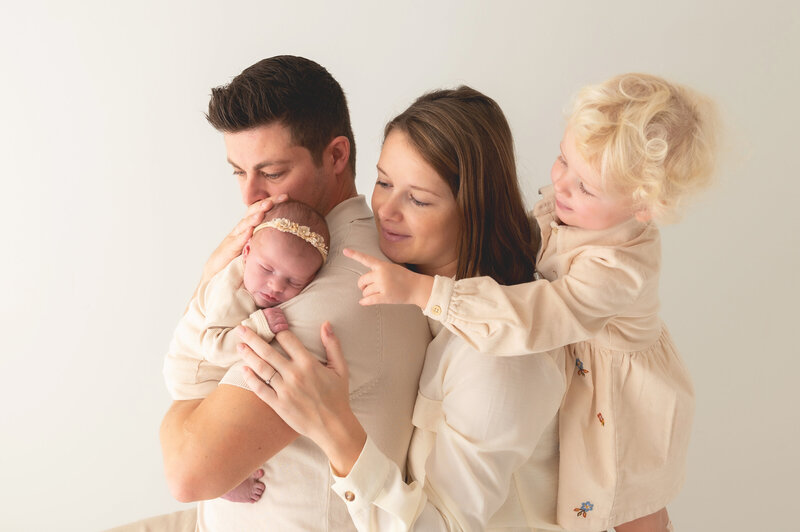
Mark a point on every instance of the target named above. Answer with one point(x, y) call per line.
point(583, 189)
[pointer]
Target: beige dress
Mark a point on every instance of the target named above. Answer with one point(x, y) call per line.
point(626, 418)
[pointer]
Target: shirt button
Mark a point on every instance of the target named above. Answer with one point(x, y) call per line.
point(436, 310)
point(350, 496)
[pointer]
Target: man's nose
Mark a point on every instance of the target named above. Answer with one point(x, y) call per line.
point(252, 191)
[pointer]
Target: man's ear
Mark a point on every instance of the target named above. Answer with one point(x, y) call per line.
point(339, 150)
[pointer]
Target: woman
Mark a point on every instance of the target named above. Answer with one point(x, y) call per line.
point(484, 450)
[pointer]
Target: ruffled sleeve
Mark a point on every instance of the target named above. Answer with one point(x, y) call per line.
point(540, 315)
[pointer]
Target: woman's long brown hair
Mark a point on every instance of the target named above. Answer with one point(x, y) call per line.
point(463, 134)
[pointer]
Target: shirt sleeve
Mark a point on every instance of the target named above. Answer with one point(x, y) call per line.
point(493, 413)
point(540, 315)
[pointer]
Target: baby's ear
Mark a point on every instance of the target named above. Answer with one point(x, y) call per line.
point(246, 249)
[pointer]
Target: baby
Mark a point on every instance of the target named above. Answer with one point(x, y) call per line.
point(281, 258)
point(635, 147)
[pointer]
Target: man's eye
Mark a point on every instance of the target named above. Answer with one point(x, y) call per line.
point(271, 176)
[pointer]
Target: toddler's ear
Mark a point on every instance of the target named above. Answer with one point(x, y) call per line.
point(643, 215)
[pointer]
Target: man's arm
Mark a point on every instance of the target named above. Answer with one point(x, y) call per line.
point(211, 445)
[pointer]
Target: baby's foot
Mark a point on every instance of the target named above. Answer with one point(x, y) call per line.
point(248, 491)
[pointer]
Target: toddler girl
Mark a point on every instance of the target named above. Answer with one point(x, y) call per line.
point(634, 148)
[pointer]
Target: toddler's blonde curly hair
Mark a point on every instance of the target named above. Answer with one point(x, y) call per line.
point(647, 137)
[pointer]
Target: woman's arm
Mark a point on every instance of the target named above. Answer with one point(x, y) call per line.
point(494, 411)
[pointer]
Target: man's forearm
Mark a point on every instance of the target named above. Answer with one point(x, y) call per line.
point(211, 445)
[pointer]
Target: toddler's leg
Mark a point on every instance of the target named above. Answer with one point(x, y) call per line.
point(655, 522)
point(248, 491)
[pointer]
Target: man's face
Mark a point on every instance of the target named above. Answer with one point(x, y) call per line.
point(267, 163)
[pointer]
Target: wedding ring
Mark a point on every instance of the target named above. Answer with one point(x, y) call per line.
point(268, 381)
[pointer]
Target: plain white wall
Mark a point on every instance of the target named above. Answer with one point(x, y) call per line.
point(115, 190)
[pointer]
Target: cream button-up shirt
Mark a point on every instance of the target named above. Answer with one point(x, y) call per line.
point(484, 454)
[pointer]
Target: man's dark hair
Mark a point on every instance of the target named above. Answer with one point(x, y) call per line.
point(293, 91)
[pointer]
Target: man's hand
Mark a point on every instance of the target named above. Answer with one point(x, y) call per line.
point(275, 319)
point(390, 283)
point(231, 246)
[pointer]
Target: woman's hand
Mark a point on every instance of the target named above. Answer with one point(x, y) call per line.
point(231, 246)
point(390, 283)
point(311, 397)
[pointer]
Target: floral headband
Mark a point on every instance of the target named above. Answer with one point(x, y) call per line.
point(301, 231)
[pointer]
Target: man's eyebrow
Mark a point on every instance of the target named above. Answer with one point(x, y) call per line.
point(262, 164)
point(412, 187)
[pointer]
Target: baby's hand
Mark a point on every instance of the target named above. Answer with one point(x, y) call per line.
point(276, 320)
point(387, 282)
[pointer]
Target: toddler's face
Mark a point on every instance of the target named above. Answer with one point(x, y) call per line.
point(277, 266)
point(581, 200)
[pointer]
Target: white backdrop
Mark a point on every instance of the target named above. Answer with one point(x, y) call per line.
point(114, 191)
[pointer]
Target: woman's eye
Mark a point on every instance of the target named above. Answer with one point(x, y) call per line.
point(562, 160)
point(418, 203)
point(382, 184)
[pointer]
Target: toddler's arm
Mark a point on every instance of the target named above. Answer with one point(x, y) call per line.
point(539, 315)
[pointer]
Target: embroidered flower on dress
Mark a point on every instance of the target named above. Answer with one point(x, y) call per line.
point(600, 417)
point(581, 371)
point(585, 507)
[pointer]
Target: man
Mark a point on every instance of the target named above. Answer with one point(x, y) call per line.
point(287, 131)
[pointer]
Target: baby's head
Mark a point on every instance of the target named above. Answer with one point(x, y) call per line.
point(285, 253)
point(644, 145)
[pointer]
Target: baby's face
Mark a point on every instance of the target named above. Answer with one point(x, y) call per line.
point(581, 200)
point(277, 266)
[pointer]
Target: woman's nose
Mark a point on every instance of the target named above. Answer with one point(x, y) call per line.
point(388, 210)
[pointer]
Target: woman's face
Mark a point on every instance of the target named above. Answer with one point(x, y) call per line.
point(415, 211)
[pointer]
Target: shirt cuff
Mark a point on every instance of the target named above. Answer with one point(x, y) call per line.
point(438, 307)
point(235, 376)
point(361, 487)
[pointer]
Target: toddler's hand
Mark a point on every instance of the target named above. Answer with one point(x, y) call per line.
point(390, 283)
point(276, 319)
